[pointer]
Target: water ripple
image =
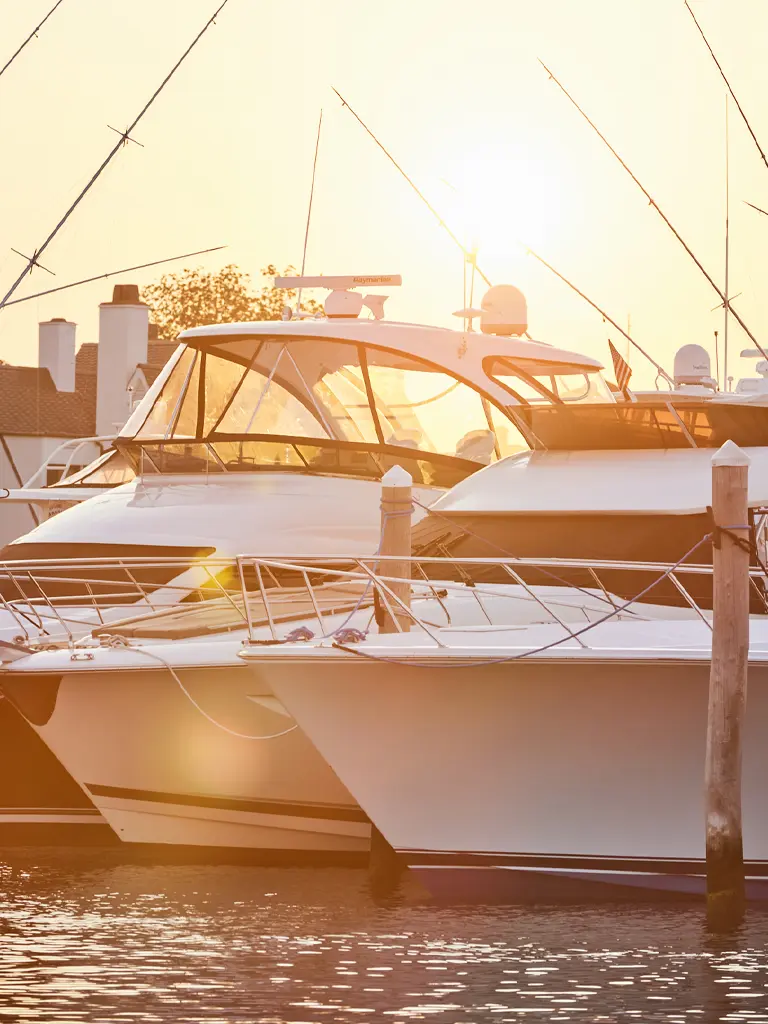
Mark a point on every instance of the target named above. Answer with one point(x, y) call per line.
point(87, 938)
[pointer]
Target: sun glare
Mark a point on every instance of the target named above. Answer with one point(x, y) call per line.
point(499, 199)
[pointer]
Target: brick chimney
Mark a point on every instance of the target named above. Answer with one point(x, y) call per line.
point(123, 333)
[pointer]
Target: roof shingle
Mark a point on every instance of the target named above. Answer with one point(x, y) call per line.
point(30, 405)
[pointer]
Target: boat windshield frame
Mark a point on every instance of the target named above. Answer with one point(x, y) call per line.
point(139, 448)
point(297, 454)
point(662, 425)
point(548, 394)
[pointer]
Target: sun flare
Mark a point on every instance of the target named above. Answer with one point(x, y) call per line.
point(498, 199)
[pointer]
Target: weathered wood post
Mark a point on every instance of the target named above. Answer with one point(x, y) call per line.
point(384, 866)
point(727, 688)
point(396, 511)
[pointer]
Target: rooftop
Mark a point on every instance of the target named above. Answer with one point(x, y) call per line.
point(30, 405)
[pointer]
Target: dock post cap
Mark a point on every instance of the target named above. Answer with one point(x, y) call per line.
point(730, 455)
point(397, 477)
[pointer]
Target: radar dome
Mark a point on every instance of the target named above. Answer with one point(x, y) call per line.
point(341, 304)
point(693, 366)
point(504, 311)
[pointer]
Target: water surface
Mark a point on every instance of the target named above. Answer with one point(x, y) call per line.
point(88, 938)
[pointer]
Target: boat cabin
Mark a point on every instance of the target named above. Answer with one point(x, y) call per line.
point(629, 483)
point(347, 398)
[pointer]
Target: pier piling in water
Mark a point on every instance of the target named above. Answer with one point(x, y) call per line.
point(727, 688)
point(396, 511)
point(384, 867)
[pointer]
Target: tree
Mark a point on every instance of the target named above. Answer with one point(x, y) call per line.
point(193, 298)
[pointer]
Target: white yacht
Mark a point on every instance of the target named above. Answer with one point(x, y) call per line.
point(187, 743)
point(269, 436)
point(273, 436)
point(551, 761)
point(515, 765)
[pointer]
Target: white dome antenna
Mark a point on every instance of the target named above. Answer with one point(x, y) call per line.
point(693, 366)
point(343, 304)
point(504, 311)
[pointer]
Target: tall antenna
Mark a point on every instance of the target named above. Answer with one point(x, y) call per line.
point(728, 85)
point(29, 38)
point(113, 273)
point(469, 256)
point(629, 329)
point(125, 137)
point(659, 368)
point(759, 209)
point(727, 248)
point(309, 208)
point(658, 209)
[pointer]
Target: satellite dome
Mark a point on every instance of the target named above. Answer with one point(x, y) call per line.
point(693, 366)
point(504, 311)
point(343, 305)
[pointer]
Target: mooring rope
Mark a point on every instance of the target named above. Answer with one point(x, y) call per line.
point(113, 641)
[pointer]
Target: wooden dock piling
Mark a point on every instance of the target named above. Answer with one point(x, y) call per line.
point(396, 511)
point(384, 867)
point(727, 688)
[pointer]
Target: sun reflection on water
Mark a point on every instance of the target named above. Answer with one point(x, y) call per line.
point(86, 938)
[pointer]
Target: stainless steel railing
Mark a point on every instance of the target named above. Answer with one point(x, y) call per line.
point(436, 583)
point(60, 600)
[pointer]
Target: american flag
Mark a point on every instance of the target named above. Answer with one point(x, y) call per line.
point(621, 368)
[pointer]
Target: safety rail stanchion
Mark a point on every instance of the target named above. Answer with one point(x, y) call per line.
point(312, 599)
point(12, 611)
point(382, 595)
point(34, 615)
point(547, 608)
point(691, 602)
point(396, 512)
point(433, 590)
point(94, 602)
point(265, 598)
point(136, 584)
point(244, 592)
point(727, 687)
point(47, 602)
point(599, 583)
point(217, 583)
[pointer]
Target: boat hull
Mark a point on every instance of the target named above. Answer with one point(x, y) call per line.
point(40, 803)
point(229, 513)
point(568, 779)
point(165, 760)
point(464, 880)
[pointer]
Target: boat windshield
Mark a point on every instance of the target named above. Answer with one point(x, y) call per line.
point(533, 383)
point(108, 470)
point(658, 424)
point(251, 401)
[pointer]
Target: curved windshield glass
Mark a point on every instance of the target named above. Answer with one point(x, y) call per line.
point(318, 389)
point(108, 470)
point(536, 383)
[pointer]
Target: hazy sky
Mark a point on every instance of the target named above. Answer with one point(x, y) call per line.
point(455, 91)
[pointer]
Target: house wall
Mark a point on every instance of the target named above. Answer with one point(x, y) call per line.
point(28, 454)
